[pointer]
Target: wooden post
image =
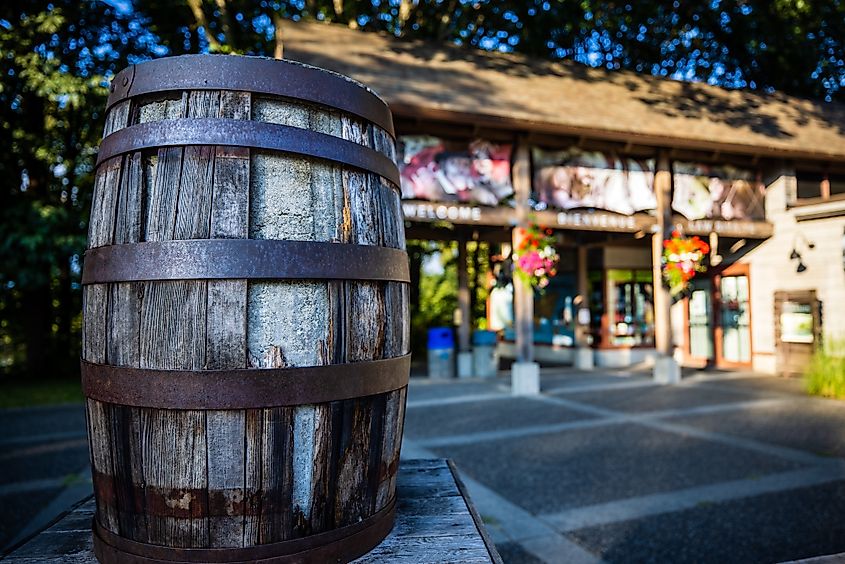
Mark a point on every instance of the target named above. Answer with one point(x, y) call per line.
point(523, 295)
point(583, 352)
point(582, 331)
point(525, 376)
point(463, 298)
point(464, 356)
point(665, 369)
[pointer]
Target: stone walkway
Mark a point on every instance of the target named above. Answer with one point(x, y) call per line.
point(608, 467)
point(44, 467)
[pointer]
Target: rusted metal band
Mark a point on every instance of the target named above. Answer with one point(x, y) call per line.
point(338, 545)
point(288, 79)
point(244, 133)
point(216, 259)
point(244, 388)
point(142, 499)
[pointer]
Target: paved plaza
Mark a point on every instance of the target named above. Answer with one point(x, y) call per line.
point(604, 466)
point(725, 467)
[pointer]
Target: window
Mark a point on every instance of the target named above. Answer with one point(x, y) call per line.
point(837, 184)
point(809, 185)
point(630, 295)
point(812, 185)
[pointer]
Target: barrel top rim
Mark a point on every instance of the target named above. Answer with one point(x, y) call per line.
point(269, 60)
point(122, 82)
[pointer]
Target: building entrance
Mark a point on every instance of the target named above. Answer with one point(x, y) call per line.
point(797, 330)
point(700, 330)
point(733, 335)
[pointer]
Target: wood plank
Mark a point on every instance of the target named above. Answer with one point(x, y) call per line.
point(428, 529)
point(163, 172)
point(193, 209)
point(253, 445)
point(95, 339)
point(333, 224)
point(95, 300)
point(351, 503)
point(324, 464)
point(276, 513)
point(334, 221)
point(383, 142)
point(174, 464)
point(290, 322)
point(103, 207)
point(124, 321)
point(117, 117)
point(126, 461)
point(172, 335)
point(173, 325)
point(226, 431)
point(99, 438)
point(226, 335)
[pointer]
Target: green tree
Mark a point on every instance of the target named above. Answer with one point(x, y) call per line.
point(54, 60)
point(794, 46)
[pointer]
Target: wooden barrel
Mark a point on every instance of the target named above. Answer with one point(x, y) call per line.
point(246, 334)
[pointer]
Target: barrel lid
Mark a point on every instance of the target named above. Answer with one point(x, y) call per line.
point(263, 75)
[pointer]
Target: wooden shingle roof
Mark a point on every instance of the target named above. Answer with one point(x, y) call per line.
point(457, 84)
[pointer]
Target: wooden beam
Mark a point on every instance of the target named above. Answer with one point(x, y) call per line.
point(582, 331)
point(463, 298)
point(523, 294)
point(662, 298)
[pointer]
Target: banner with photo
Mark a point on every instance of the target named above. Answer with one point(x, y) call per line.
point(717, 192)
point(582, 179)
point(441, 171)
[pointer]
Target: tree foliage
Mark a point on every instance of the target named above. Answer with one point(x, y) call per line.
point(794, 46)
point(54, 60)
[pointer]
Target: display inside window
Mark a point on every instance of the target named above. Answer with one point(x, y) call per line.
point(555, 312)
point(796, 323)
point(580, 179)
point(700, 341)
point(735, 319)
point(630, 295)
point(443, 171)
point(709, 192)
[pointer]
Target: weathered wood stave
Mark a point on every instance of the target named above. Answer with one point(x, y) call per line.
point(246, 477)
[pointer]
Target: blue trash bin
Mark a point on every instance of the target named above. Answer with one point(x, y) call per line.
point(441, 353)
point(485, 361)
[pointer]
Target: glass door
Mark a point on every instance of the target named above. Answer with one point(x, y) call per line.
point(700, 340)
point(735, 319)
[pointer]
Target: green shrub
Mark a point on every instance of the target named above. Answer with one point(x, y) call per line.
point(825, 376)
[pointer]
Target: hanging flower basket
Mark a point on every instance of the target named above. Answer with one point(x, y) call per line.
point(535, 257)
point(682, 258)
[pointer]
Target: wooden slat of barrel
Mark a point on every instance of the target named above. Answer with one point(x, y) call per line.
point(226, 334)
point(266, 474)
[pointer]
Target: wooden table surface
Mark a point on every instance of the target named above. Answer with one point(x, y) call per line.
point(435, 522)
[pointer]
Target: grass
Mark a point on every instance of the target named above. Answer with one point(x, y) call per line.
point(19, 392)
point(825, 375)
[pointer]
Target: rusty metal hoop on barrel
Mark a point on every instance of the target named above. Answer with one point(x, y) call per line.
point(245, 333)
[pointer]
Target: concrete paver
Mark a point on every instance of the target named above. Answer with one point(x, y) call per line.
point(640, 399)
point(817, 426)
point(724, 467)
point(43, 466)
point(774, 527)
point(549, 473)
point(472, 416)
